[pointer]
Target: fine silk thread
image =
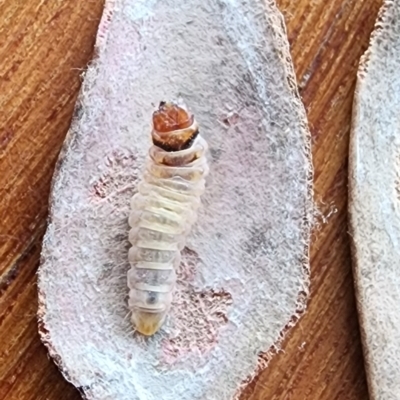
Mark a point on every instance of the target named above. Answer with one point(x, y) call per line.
point(162, 214)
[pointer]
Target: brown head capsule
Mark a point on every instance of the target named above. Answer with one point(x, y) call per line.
point(174, 128)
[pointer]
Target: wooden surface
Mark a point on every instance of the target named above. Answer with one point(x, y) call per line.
point(44, 47)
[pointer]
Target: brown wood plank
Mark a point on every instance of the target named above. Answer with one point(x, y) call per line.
point(43, 48)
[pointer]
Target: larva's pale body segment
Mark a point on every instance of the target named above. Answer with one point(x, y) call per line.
point(162, 213)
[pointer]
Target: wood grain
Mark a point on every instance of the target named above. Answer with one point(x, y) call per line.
point(44, 47)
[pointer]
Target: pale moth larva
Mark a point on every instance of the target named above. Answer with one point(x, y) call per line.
point(162, 213)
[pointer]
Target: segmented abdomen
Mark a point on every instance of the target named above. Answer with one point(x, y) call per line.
point(162, 213)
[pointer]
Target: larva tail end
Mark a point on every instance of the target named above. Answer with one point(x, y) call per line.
point(148, 323)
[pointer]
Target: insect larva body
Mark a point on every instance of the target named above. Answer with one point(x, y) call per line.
point(162, 213)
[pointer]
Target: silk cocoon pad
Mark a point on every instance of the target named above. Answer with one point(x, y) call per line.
point(374, 203)
point(244, 274)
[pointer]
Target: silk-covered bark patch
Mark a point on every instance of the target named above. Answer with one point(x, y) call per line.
point(244, 274)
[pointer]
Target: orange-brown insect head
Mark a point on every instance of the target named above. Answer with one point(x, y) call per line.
point(174, 128)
